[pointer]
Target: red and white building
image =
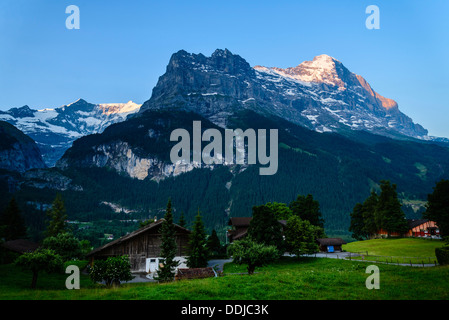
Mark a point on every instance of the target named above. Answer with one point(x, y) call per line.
point(421, 228)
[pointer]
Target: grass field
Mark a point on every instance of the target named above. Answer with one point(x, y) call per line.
point(404, 247)
point(402, 250)
point(287, 279)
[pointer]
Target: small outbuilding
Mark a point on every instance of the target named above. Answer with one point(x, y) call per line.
point(330, 244)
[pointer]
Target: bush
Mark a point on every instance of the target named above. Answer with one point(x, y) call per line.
point(442, 255)
point(112, 271)
point(251, 253)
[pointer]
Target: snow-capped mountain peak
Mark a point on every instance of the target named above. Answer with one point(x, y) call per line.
point(82, 101)
point(54, 129)
point(119, 108)
point(321, 94)
point(322, 69)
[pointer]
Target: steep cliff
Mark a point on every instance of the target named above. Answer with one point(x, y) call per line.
point(18, 152)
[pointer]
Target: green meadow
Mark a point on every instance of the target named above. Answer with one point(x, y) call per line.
point(402, 250)
point(286, 279)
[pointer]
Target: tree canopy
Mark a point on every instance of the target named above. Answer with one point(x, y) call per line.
point(40, 260)
point(389, 214)
point(12, 224)
point(438, 207)
point(300, 236)
point(306, 208)
point(57, 218)
point(264, 228)
point(213, 243)
point(199, 252)
point(251, 253)
point(378, 212)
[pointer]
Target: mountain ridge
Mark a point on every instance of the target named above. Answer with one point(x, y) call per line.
point(128, 163)
point(18, 152)
point(54, 129)
point(321, 94)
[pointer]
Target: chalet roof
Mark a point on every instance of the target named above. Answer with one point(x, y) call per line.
point(245, 221)
point(283, 222)
point(20, 245)
point(242, 224)
point(132, 235)
point(331, 241)
point(239, 234)
point(412, 223)
point(240, 221)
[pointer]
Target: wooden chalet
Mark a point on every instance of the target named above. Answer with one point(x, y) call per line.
point(239, 227)
point(143, 247)
point(416, 228)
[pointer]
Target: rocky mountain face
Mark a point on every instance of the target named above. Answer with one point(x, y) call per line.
point(138, 148)
point(54, 130)
point(18, 152)
point(321, 94)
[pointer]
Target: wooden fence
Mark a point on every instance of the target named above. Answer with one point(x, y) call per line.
point(398, 260)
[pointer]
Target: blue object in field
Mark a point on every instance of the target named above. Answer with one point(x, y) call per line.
point(330, 248)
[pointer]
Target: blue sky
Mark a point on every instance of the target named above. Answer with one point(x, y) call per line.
point(123, 47)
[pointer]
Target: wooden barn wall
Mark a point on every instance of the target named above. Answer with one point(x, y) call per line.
point(147, 245)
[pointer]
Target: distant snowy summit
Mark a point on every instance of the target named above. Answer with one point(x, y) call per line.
point(54, 129)
point(345, 99)
point(322, 94)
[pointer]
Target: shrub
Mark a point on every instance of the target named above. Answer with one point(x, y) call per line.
point(112, 271)
point(251, 253)
point(442, 255)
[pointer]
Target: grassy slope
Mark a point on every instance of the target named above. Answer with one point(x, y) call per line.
point(308, 278)
point(399, 247)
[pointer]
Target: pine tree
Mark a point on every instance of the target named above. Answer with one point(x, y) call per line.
point(168, 247)
point(306, 208)
point(357, 226)
point(57, 216)
point(389, 212)
point(213, 243)
point(369, 215)
point(182, 222)
point(438, 207)
point(199, 253)
point(12, 223)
